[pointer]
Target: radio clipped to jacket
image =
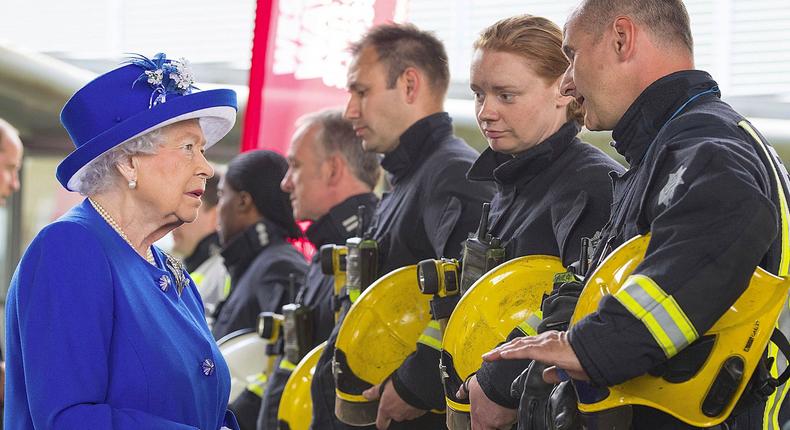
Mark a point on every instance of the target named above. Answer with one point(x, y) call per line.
point(297, 326)
point(362, 260)
point(333, 263)
point(482, 252)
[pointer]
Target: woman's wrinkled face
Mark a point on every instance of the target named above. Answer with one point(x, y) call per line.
point(515, 108)
point(172, 181)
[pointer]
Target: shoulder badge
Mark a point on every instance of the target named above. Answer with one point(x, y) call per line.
point(673, 181)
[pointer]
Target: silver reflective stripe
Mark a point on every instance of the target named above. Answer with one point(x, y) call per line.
point(530, 326)
point(659, 312)
point(432, 335)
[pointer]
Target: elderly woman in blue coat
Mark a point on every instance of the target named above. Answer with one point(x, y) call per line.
point(103, 329)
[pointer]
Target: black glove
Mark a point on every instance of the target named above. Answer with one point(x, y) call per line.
point(534, 393)
point(559, 305)
point(561, 412)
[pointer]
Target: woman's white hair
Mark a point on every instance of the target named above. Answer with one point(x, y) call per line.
point(101, 174)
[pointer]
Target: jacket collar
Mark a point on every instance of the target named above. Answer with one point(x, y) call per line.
point(416, 143)
point(243, 248)
point(207, 247)
point(641, 123)
point(519, 169)
point(341, 221)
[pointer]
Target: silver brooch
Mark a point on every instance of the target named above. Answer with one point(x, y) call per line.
point(177, 269)
point(164, 282)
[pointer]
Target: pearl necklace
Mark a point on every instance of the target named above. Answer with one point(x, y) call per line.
point(104, 214)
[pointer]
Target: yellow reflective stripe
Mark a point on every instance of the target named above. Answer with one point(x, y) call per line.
point(226, 289)
point(258, 385)
point(659, 312)
point(784, 264)
point(459, 407)
point(432, 335)
point(430, 341)
point(287, 365)
point(355, 398)
point(197, 277)
point(774, 402)
point(530, 326)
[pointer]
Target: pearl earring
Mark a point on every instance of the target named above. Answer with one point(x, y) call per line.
point(133, 184)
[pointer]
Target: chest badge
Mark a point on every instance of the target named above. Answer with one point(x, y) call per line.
point(673, 181)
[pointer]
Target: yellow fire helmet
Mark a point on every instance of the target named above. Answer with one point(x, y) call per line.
point(506, 297)
point(380, 330)
point(296, 405)
point(705, 395)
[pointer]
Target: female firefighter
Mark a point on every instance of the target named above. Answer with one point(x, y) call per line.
point(552, 188)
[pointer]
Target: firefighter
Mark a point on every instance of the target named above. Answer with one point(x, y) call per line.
point(398, 79)
point(552, 188)
point(329, 177)
point(198, 243)
point(255, 223)
point(701, 181)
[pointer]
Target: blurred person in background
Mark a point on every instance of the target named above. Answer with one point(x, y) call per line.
point(329, 176)
point(255, 224)
point(10, 162)
point(103, 329)
point(198, 245)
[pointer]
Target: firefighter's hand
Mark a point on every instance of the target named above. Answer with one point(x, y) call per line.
point(391, 406)
point(551, 347)
point(486, 414)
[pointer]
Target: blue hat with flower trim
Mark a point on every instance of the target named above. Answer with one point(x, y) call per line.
point(134, 99)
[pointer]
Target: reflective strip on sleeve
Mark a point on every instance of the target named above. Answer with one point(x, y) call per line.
point(432, 336)
point(774, 402)
point(198, 278)
point(530, 326)
point(659, 312)
point(781, 184)
point(258, 385)
point(226, 288)
point(353, 294)
point(776, 399)
point(287, 365)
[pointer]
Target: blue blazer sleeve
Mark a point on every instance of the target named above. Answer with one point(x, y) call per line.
point(60, 327)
